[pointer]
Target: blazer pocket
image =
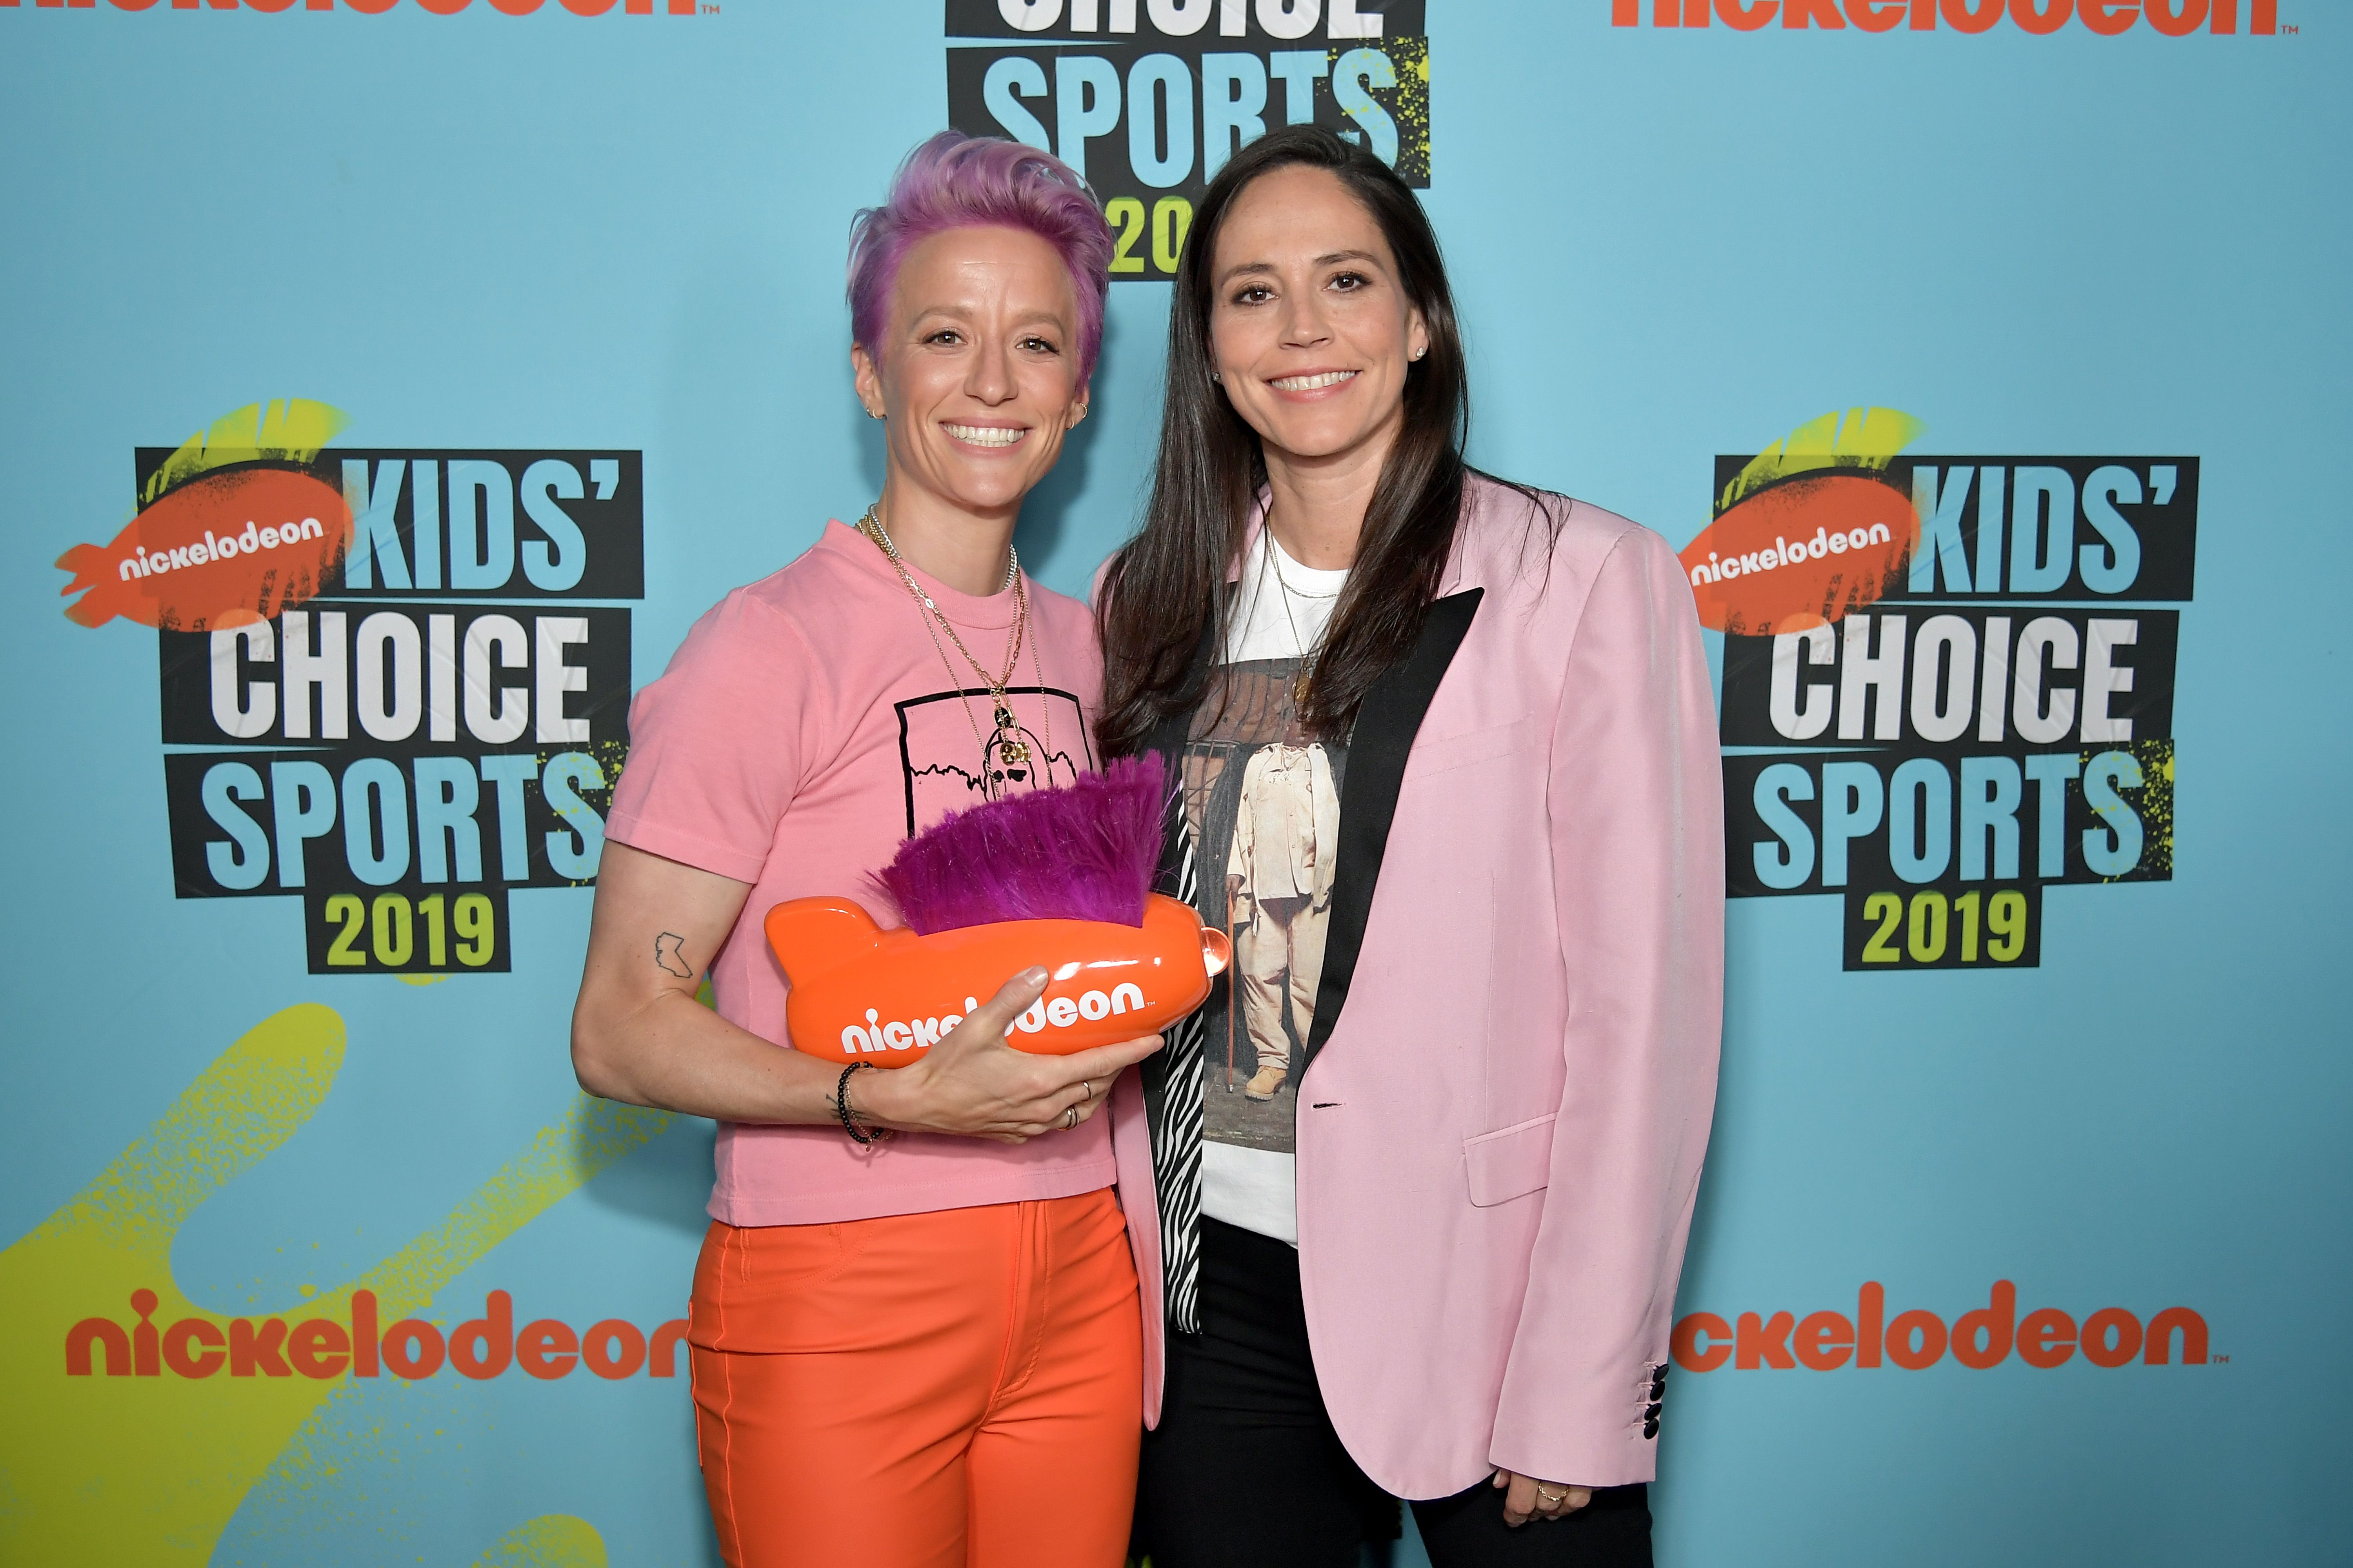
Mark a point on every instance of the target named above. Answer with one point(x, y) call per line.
point(1440, 754)
point(1509, 1164)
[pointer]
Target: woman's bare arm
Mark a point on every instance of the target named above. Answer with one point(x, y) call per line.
point(639, 1036)
point(638, 1033)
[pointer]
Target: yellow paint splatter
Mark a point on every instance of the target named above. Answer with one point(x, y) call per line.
point(551, 1541)
point(1864, 438)
point(2153, 803)
point(286, 429)
point(1409, 106)
point(150, 1469)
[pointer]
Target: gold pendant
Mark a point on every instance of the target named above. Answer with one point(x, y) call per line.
point(1014, 751)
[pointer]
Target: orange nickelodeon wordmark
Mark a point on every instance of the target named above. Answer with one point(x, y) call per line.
point(1801, 555)
point(860, 992)
point(118, 1467)
point(1916, 1340)
point(2174, 18)
point(321, 1348)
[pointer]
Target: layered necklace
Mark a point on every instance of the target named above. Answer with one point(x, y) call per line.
point(1004, 748)
point(1307, 656)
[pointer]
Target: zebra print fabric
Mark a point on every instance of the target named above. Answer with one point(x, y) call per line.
point(1176, 1131)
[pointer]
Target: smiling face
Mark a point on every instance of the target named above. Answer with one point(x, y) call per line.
point(1309, 327)
point(978, 372)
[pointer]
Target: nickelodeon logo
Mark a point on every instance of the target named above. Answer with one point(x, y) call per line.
point(1980, 1339)
point(321, 1348)
point(1061, 1013)
point(2174, 18)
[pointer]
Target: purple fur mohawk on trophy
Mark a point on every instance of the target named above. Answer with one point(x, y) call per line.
point(1083, 852)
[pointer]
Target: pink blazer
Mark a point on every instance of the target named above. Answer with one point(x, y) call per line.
point(1130, 1147)
point(1512, 1073)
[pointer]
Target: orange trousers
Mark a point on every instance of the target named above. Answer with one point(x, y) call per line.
point(961, 1389)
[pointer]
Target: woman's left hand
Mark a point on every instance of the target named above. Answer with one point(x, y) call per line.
point(1526, 1497)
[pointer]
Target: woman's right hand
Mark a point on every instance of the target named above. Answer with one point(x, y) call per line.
point(974, 1084)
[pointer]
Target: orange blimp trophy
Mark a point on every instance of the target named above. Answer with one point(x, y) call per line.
point(1059, 878)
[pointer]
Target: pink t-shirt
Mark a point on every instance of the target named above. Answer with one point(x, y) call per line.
point(804, 728)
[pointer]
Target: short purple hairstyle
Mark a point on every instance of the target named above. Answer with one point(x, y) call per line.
point(955, 181)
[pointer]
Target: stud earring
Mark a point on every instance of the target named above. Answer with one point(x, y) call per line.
point(1216, 376)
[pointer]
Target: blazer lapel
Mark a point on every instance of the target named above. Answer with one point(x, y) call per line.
point(1387, 722)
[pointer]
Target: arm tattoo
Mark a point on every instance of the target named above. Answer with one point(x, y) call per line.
point(669, 955)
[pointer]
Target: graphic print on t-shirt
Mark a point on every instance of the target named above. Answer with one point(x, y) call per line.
point(954, 753)
point(1263, 799)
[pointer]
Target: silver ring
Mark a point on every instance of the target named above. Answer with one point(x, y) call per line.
point(1070, 1119)
point(1089, 1084)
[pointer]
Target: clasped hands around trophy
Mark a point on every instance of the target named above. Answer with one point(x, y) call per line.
point(974, 1084)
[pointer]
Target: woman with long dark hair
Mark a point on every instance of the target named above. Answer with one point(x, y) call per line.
point(1448, 777)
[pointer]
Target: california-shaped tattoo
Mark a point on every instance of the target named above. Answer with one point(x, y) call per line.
point(669, 955)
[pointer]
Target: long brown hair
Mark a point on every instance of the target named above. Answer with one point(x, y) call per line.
point(1167, 585)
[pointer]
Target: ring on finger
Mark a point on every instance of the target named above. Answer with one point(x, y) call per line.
point(1069, 1118)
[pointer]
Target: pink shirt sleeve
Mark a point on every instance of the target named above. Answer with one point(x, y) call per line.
point(717, 745)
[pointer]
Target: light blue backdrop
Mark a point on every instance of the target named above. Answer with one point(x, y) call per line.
point(627, 232)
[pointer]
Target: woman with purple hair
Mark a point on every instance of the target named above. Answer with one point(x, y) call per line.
point(916, 1329)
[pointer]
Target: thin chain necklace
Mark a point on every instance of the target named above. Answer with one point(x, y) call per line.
point(1011, 749)
point(1307, 657)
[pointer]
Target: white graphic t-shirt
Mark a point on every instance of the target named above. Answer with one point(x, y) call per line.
point(1263, 799)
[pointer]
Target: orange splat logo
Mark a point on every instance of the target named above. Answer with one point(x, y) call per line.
point(231, 529)
point(1809, 529)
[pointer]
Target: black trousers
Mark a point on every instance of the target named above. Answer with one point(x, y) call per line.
point(1245, 1468)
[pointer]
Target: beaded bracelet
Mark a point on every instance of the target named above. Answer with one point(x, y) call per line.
point(849, 1123)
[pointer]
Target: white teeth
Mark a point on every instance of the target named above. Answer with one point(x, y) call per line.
point(1313, 383)
point(985, 435)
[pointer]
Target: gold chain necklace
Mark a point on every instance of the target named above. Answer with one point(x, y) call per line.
point(1305, 678)
point(1012, 751)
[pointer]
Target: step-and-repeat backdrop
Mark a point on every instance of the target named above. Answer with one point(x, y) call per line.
point(390, 383)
